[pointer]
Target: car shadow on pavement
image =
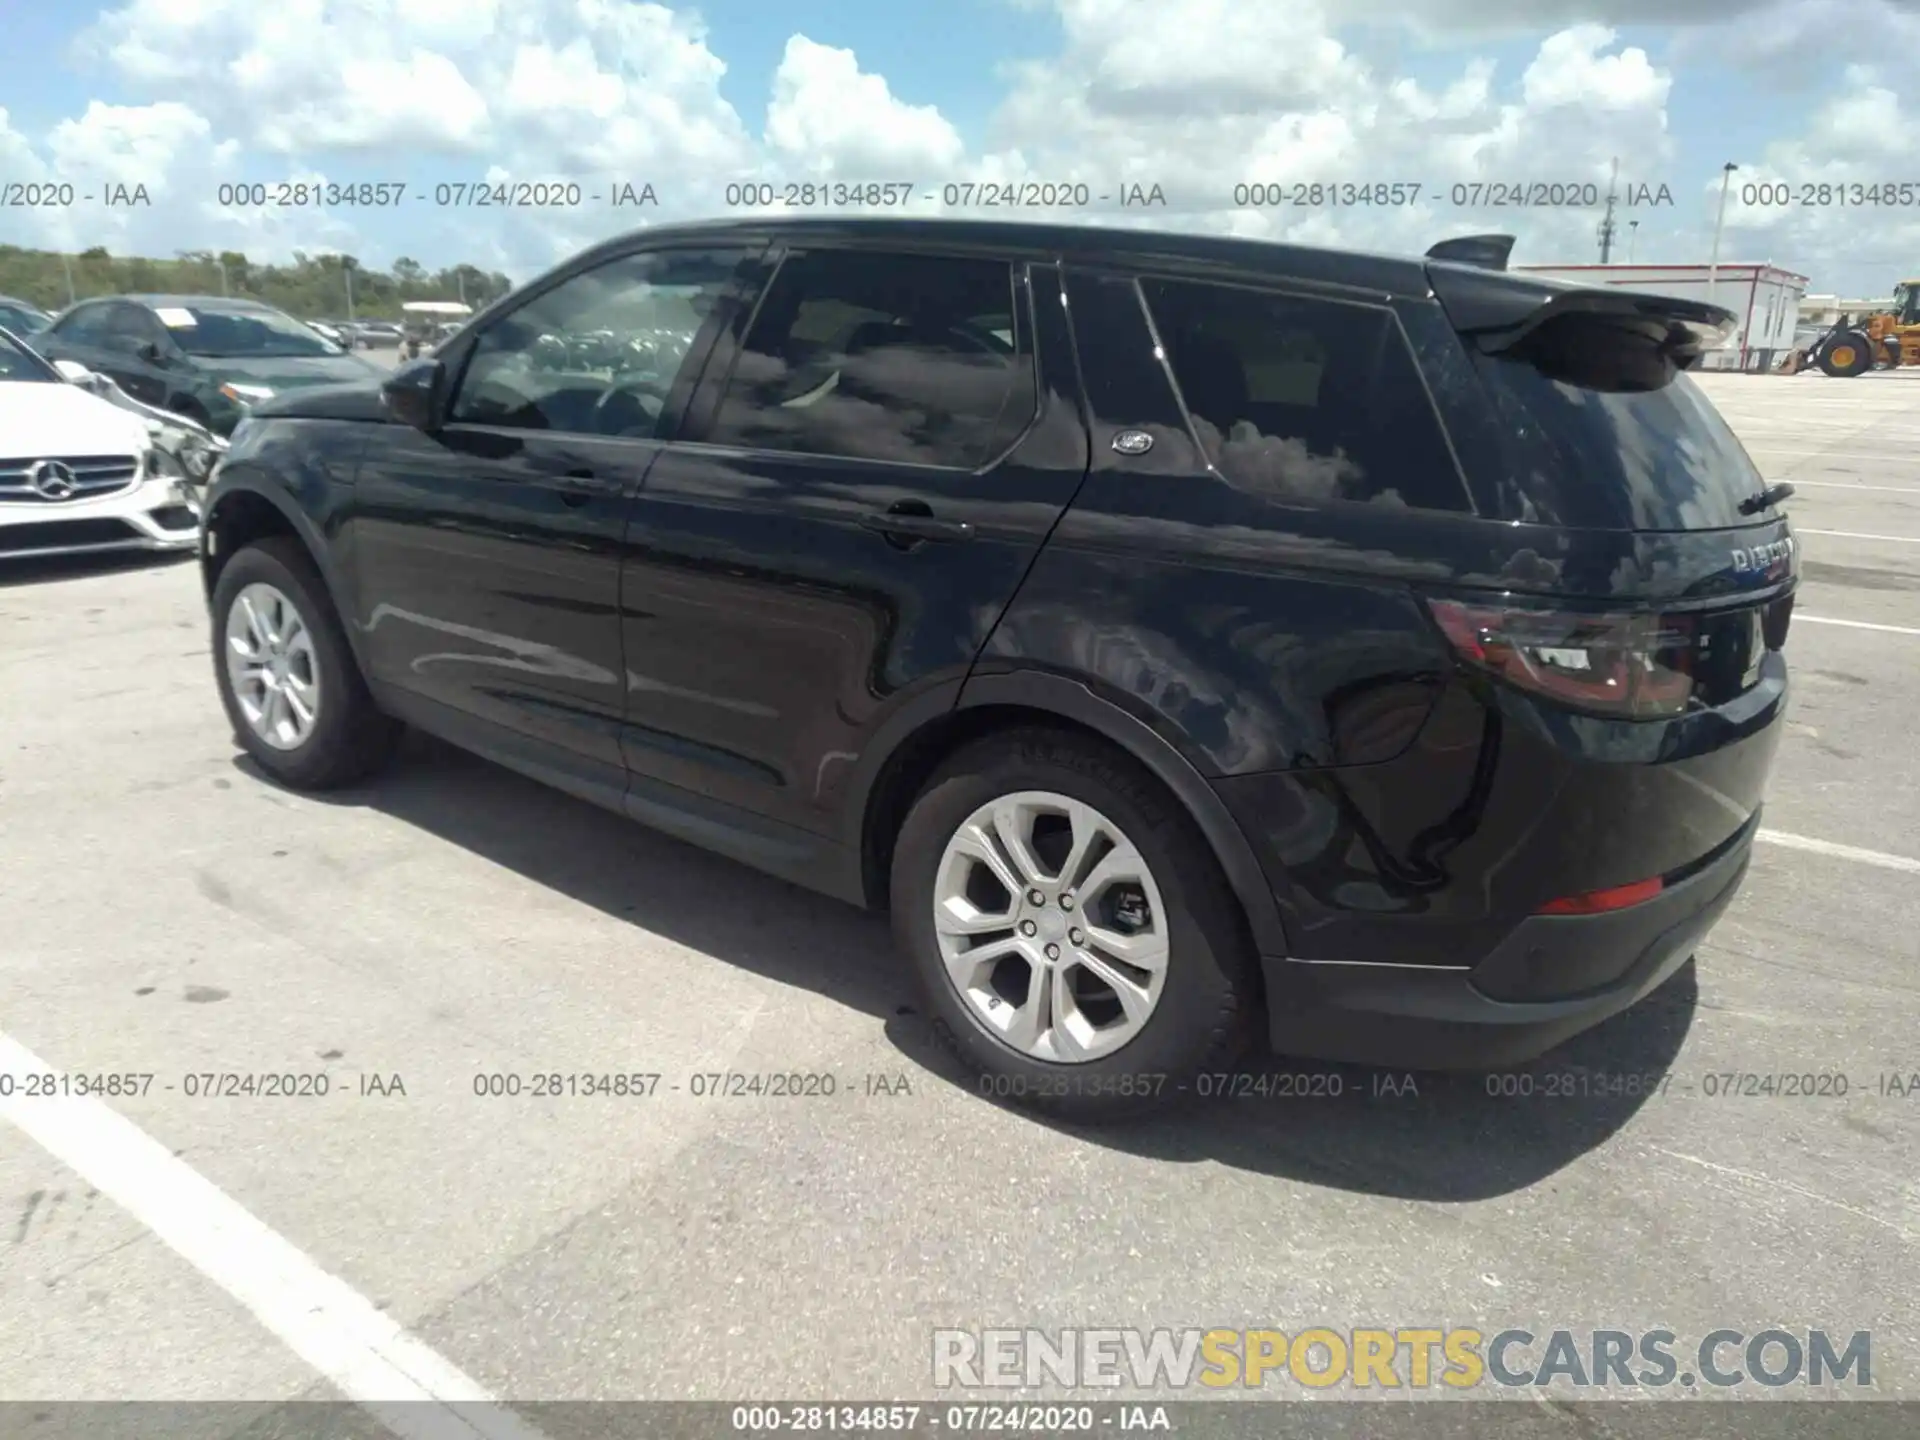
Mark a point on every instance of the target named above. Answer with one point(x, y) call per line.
point(1422, 1135)
point(624, 869)
point(45, 569)
point(1409, 1135)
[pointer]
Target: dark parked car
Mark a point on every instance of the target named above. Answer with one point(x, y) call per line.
point(371, 333)
point(205, 357)
point(1179, 636)
point(22, 317)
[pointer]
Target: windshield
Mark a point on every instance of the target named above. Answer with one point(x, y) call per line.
point(17, 362)
point(242, 334)
point(1609, 446)
point(21, 319)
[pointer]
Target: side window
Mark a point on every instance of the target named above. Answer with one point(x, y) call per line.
point(127, 327)
point(85, 326)
point(599, 353)
point(1305, 399)
point(917, 359)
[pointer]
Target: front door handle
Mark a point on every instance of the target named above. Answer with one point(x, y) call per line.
point(911, 520)
point(576, 486)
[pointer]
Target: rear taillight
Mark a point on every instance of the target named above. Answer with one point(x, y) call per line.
point(1636, 666)
point(1599, 902)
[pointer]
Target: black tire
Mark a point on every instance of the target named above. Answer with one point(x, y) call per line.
point(351, 738)
point(1210, 1002)
point(1846, 355)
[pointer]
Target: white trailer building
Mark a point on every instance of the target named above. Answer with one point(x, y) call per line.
point(1765, 297)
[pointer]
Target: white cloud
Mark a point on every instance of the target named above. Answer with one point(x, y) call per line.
point(127, 144)
point(1196, 96)
point(1287, 103)
point(830, 118)
point(1812, 195)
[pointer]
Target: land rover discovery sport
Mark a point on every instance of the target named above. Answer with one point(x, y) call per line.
point(1184, 638)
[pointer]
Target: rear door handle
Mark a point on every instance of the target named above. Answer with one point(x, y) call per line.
point(913, 520)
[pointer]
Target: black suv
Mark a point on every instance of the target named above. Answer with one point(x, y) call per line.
point(1180, 636)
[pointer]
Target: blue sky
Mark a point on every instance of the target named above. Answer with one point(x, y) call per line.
point(1196, 95)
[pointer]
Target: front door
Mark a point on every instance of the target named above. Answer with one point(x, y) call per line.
point(841, 526)
point(138, 353)
point(83, 336)
point(488, 553)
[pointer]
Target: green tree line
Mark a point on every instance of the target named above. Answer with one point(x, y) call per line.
point(313, 287)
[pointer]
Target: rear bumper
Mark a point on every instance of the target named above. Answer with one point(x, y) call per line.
point(1553, 977)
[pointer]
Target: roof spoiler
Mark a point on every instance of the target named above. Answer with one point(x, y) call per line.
point(1499, 311)
point(1489, 252)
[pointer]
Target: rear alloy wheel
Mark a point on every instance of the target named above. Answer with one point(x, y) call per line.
point(1078, 947)
point(1051, 926)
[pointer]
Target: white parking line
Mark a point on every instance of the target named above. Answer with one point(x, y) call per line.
point(1856, 624)
point(408, 1387)
point(1840, 852)
point(1849, 485)
point(1858, 535)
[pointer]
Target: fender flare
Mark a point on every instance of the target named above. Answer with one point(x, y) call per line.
point(1072, 700)
point(303, 528)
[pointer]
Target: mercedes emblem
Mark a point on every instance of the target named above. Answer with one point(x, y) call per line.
point(53, 479)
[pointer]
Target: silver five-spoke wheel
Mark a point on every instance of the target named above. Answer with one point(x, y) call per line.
point(272, 667)
point(1051, 927)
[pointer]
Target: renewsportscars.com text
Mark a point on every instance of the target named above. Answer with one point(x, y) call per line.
point(1399, 1358)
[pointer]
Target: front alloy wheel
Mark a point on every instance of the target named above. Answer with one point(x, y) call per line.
point(292, 692)
point(271, 666)
point(1052, 927)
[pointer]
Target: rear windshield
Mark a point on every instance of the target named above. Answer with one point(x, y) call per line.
point(1595, 451)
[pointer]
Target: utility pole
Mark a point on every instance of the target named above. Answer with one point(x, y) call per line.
point(1606, 221)
point(346, 269)
point(66, 263)
point(1719, 224)
point(1633, 234)
point(221, 265)
point(460, 279)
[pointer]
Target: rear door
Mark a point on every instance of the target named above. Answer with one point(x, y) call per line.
point(882, 454)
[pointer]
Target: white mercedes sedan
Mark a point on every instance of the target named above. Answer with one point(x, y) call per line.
point(78, 473)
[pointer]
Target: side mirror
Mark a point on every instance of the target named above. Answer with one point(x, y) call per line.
point(150, 351)
point(74, 371)
point(415, 394)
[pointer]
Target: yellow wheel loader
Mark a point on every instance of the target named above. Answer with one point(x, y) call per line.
point(1884, 340)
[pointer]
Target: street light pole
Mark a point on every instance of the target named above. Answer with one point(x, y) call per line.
point(1713, 263)
point(1633, 234)
point(346, 268)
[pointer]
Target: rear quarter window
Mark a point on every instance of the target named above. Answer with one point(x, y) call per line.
point(1305, 399)
point(1597, 440)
